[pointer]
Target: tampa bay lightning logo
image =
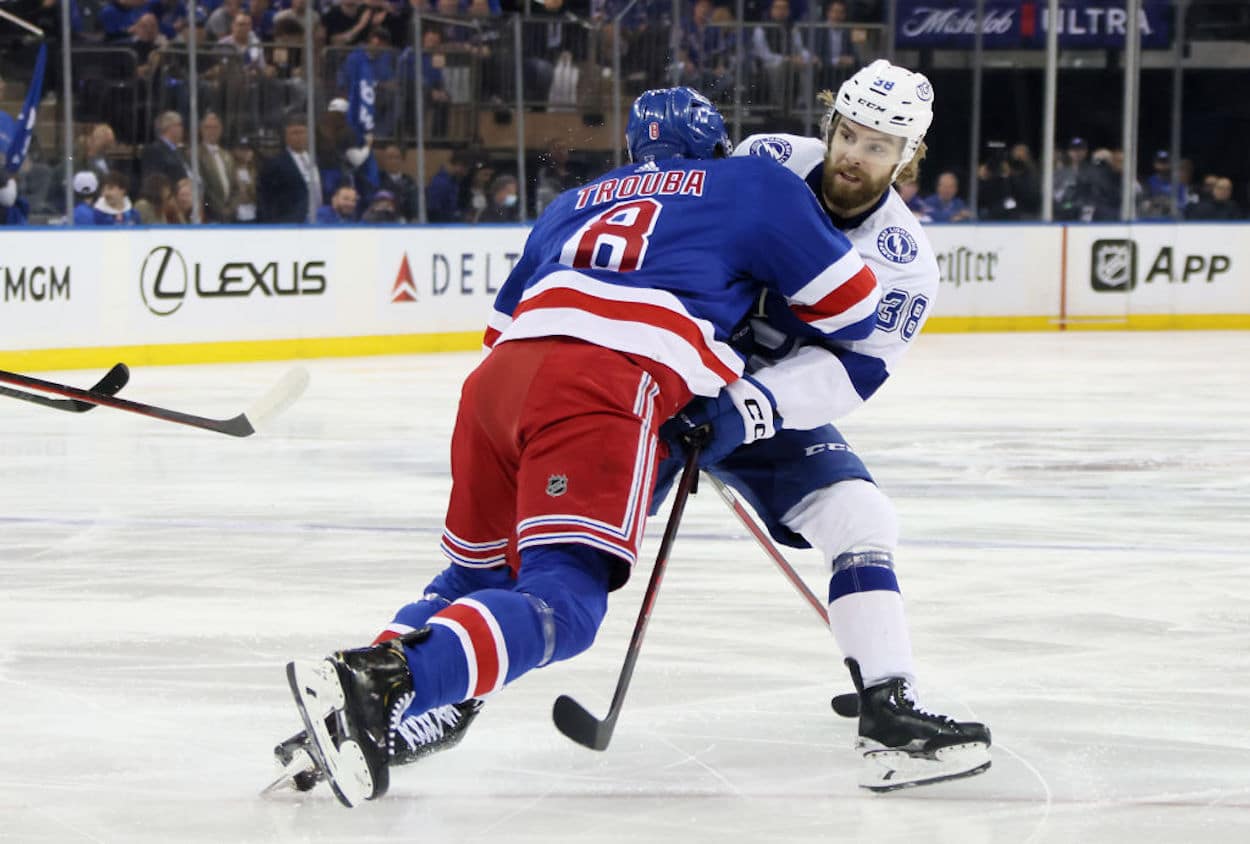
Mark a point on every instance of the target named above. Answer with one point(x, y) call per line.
point(776, 148)
point(897, 245)
point(924, 92)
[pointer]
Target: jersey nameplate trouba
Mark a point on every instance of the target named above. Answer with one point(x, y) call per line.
point(655, 183)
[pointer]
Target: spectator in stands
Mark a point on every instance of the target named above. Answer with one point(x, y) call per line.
point(113, 208)
point(945, 206)
point(117, 17)
point(1159, 201)
point(1074, 183)
point(1028, 179)
point(835, 50)
point(147, 42)
point(381, 209)
point(183, 202)
point(155, 204)
point(297, 12)
point(261, 12)
point(341, 208)
point(909, 192)
point(554, 32)
point(171, 17)
point(394, 180)
point(164, 155)
point(86, 186)
point(777, 49)
point(1003, 187)
point(1107, 175)
point(243, 165)
point(222, 18)
point(347, 22)
point(442, 195)
point(246, 43)
point(556, 175)
point(1220, 205)
point(502, 201)
point(339, 159)
point(97, 146)
point(476, 199)
point(433, 80)
point(704, 60)
point(289, 184)
point(287, 55)
point(216, 172)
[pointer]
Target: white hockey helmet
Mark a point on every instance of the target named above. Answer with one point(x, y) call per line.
point(888, 98)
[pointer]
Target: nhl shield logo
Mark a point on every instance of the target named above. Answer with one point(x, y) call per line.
point(557, 485)
point(1113, 265)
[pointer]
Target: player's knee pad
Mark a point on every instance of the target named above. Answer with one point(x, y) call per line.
point(849, 516)
point(568, 586)
point(452, 583)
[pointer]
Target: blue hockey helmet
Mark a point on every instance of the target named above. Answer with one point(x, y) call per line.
point(675, 123)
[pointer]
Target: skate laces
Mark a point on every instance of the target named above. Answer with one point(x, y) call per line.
point(907, 692)
point(426, 728)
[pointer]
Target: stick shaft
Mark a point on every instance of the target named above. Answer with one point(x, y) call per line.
point(238, 426)
point(24, 24)
point(770, 548)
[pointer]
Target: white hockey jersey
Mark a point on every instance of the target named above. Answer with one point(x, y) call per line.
point(817, 384)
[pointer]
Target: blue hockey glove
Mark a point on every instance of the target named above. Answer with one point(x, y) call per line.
point(742, 413)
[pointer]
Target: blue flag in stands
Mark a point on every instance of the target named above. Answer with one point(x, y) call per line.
point(361, 111)
point(19, 144)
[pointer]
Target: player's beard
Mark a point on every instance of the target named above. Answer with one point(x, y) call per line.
point(845, 198)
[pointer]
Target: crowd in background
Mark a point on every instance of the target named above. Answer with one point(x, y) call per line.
point(256, 164)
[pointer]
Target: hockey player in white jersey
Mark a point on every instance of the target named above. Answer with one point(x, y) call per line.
point(805, 483)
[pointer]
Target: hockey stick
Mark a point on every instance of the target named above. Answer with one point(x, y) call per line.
point(26, 25)
point(573, 719)
point(846, 705)
point(109, 385)
point(281, 395)
point(769, 548)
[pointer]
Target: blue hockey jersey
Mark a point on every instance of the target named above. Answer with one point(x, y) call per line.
point(664, 259)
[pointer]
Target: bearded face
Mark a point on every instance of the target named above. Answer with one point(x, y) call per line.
point(859, 166)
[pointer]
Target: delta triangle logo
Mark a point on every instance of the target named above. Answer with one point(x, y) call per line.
point(404, 289)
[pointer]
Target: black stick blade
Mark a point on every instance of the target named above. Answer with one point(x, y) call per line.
point(576, 722)
point(846, 705)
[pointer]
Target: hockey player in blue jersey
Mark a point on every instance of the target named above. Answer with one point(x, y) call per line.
point(806, 483)
point(618, 313)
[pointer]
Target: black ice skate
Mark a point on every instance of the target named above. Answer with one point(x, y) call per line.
point(415, 737)
point(363, 693)
point(904, 745)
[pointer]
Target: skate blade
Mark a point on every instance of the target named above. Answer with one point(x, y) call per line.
point(318, 693)
point(301, 762)
point(892, 770)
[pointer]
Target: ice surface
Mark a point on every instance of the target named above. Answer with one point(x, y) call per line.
point(1076, 513)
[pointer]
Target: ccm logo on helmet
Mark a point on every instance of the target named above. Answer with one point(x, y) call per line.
point(653, 131)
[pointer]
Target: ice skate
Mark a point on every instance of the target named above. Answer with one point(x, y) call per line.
point(415, 737)
point(904, 745)
point(363, 693)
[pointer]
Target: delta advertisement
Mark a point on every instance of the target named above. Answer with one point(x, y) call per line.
point(183, 295)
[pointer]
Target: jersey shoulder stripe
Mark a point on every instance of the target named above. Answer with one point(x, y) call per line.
point(645, 321)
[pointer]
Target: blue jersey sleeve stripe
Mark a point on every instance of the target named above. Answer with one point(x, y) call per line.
point(867, 373)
